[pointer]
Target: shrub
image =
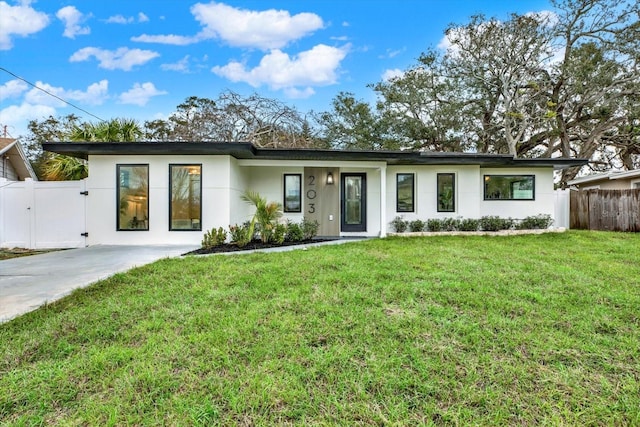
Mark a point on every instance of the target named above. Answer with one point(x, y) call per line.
point(399, 224)
point(495, 223)
point(450, 224)
point(214, 238)
point(241, 235)
point(434, 224)
point(541, 221)
point(416, 225)
point(469, 224)
point(294, 232)
point(279, 233)
point(309, 228)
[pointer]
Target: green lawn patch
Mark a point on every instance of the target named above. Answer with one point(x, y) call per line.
point(452, 330)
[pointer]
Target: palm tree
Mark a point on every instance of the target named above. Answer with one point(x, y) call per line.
point(63, 168)
point(266, 214)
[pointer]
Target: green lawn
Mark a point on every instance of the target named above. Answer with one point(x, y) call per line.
point(519, 330)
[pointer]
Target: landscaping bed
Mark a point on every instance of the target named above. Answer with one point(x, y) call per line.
point(254, 245)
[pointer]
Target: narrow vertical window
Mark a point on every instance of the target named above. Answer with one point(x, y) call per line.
point(405, 192)
point(293, 192)
point(133, 197)
point(446, 192)
point(185, 187)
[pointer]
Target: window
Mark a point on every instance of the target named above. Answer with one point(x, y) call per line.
point(133, 197)
point(446, 192)
point(185, 187)
point(509, 187)
point(405, 192)
point(293, 192)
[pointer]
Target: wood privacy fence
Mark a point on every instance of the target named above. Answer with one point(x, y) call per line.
point(613, 210)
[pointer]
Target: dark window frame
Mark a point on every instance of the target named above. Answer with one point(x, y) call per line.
point(187, 165)
point(533, 187)
point(453, 191)
point(284, 193)
point(130, 165)
point(413, 192)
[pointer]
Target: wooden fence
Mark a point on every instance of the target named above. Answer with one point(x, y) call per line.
point(613, 210)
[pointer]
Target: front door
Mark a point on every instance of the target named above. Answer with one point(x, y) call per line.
point(353, 201)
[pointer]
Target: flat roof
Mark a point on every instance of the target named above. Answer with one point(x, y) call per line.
point(245, 150)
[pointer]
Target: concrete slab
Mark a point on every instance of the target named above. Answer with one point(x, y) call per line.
point(28, 282)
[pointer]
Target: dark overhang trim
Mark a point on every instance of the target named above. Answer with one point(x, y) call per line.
point(245, 150)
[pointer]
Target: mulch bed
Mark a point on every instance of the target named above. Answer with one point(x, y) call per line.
point(254, 245)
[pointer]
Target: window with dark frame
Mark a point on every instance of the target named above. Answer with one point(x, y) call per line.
point(185, 197)
point(405, 192)
point(293, 192)
point(509, 187)
point(133, 197)
point(446, 192)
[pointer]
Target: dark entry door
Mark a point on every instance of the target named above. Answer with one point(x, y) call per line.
point(353, 202)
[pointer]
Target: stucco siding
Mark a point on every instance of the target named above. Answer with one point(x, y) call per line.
point(544, 202)
point(102, 213)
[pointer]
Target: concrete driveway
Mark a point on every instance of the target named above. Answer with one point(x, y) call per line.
point(28, 282)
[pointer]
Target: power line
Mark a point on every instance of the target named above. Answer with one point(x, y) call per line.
point(51, 94)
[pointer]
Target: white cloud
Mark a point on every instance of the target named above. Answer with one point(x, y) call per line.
point(95, 94)
point(315, 67)
point(121, 59)
point(181, 66)
point(140, 94)
point(12, 89)
point(268, 29)
point(392, 74)
point(72, 19)
point(16, 117)
point(21, 20)
point(295, 93)
point(120, 19)
point(165, 39)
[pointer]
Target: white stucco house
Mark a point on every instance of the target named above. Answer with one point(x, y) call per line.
point(156, 193)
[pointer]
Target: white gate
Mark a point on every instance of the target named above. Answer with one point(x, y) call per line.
point(42, 214)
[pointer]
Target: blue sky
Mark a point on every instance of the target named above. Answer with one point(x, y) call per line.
point(140, 59)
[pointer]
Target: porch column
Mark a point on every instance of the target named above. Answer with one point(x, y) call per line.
point(383, 201)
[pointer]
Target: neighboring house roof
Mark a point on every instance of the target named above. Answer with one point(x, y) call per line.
point(605, 177)
point(12, 150)
point(249, 151)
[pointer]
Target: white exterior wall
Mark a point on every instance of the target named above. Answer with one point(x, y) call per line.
point(102, 210)
point(269, 183)
point(467, 199)
point(544, 202)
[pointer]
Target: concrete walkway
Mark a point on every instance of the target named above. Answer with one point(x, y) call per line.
point(28, 282)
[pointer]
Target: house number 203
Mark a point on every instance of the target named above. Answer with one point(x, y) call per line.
point(311, 194)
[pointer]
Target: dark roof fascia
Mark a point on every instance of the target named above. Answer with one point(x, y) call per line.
point(249, 151)
point(82, 150)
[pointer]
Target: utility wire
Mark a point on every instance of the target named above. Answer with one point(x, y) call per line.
point(51, 94)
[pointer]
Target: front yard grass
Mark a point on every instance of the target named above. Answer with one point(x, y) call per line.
point(518, 330)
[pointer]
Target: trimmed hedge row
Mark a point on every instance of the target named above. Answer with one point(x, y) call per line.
point(486, 223)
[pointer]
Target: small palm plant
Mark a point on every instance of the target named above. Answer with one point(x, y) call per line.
point(266, 214)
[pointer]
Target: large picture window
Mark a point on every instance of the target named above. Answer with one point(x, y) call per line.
point(509, 187)
point(133, 197)
point(446, 192)
point(405, 192)
point(185, 186)
point(293, 192)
